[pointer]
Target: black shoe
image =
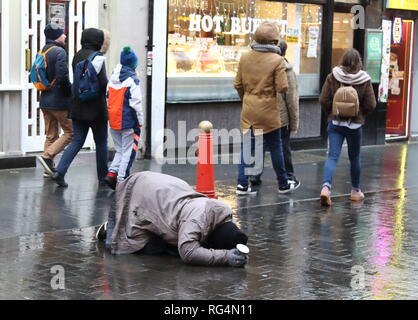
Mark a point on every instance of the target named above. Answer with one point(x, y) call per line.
point(294, 180)
point(101, 233)
point(102, 183)
point(291, 186)
point(59, 180)
point(111, 182)
point(245, 190)
point(48, 165)
point(256, 182)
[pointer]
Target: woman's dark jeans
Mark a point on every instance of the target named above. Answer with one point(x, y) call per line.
point(100, 134)
point(271, 141)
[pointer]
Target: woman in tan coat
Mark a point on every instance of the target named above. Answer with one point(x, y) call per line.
point(261, 75)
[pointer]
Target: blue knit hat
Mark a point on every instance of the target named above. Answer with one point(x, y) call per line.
point(53, 31)
point(128, 58)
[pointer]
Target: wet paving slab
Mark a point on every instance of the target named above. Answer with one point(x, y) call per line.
point(299, 250)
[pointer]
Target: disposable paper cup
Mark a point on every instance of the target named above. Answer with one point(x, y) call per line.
point(243, 249)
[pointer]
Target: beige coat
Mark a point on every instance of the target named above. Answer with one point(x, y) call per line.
point(289, 101)
point(150, 203)
point(261, 75)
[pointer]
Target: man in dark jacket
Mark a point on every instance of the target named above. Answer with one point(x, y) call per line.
point(56, 101)
point(90, 114)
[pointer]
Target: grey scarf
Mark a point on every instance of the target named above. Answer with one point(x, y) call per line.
point(265, 48)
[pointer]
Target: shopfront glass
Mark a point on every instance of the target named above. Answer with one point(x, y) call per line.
point(206, 39)
point(343, 36)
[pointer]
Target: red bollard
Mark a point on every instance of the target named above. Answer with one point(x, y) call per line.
point(205, 166)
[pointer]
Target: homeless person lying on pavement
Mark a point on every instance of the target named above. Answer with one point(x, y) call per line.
point(155, 213)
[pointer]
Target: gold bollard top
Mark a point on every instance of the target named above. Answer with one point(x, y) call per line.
point(206, 126)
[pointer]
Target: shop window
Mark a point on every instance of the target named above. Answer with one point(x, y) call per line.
point(343, 36)
point(207, 38)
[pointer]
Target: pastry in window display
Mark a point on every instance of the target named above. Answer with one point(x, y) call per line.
point(210, 61)
point(179, 61)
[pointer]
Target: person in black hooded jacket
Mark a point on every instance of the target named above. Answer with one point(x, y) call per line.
point(92, 114)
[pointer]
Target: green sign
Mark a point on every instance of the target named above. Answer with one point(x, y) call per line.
point(373, 54)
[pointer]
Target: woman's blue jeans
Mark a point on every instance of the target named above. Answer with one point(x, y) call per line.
point(100, 134)
point(337, 135)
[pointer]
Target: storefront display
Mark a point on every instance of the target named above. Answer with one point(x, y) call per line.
point(399, 82)
point(206, 40)
point(384, 82)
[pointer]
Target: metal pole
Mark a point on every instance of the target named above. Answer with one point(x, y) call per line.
point(150, 48)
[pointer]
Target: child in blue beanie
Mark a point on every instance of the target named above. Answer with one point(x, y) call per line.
point(125, 116)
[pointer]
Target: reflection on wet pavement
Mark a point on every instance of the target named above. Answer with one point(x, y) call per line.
point(299, 250)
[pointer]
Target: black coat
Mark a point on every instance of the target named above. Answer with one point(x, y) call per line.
point(59, 96)
point(91, 41)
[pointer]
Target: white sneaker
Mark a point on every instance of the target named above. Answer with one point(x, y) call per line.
point(291, 186)
point(244, 191)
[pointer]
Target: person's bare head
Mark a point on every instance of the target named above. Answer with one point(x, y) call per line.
point(351, 61)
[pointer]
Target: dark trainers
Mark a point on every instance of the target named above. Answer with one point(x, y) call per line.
point(291, 186)
point(48, 165)
point(111, 180)
point(242, 191)
point(294, 180)
point(101, 233)
point(59, 180)
point(256, 181)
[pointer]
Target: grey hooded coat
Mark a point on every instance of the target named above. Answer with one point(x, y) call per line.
point(149, 204)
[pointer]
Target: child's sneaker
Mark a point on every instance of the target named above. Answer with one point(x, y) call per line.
point(111, 180)
point(326, 197)
point(357, 195)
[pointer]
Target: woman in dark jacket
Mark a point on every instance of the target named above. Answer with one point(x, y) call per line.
point(91, 114)
point(349, 73)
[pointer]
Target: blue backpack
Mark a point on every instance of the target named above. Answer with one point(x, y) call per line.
point(38, 72)
point(86, 81)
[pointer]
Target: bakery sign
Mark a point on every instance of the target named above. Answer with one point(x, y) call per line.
point(238, 26)
point(397, 30)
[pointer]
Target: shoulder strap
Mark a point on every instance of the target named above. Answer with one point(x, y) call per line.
point(94, 55)
point(49, 49)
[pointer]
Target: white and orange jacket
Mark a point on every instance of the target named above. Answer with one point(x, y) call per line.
point(124, 99)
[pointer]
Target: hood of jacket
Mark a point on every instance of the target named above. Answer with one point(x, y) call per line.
point(349, 78)
point(92, 39)
point(121, 74)
point(267, 32)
